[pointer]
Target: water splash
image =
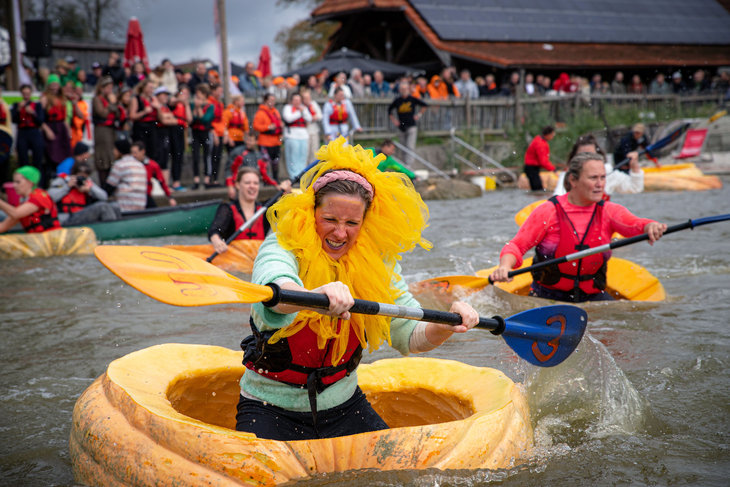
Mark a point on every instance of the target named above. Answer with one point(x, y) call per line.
point(586, 397)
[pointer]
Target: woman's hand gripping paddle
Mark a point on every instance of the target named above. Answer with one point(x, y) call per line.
point(543, 336)
point(247, 224)
point(445, 284)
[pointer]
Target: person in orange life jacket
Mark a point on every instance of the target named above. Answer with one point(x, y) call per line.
point(180, 106)
point(216, 153)
point(106, 116)
point(538, 156)
point(165, 122)
point(248, 155)
point(338, 116)
point(235, 123)
point(79, 200)
point(29, 116)
point(203, 112)
point(55, 129)
point(230, 216)
point(37, 212)
point(329, 240)
point(153, 172)
point(267, 122)
point(144, 114)
point(571, 222)
point(80, 120)
point(296, 116)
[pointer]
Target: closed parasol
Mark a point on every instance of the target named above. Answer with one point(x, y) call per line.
point(265, 62)
point(134, 50)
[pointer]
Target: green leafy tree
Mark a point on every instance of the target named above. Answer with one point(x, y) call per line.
point(304, 42)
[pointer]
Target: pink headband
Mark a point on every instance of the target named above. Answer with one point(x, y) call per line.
point(343, 175)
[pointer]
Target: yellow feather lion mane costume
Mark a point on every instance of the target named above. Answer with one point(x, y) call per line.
point(392, 225)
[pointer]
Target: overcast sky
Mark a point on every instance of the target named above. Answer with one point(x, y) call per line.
point(183, 29)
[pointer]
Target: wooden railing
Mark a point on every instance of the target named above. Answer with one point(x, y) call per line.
point(496, 114)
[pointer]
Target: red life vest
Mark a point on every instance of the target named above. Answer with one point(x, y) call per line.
point(74, 201)
point(180, 114)
point(586, 275)
point(25, 119)
point(107, 121)
point(236, 119)
point(3, 114)
point(299, 122)
point(56, 112)
point(163, 109)
point(46, 218)
point(275, 120)
point(142, 104)
point(255, 231)
point(198, 123)
point(217, 110)
point(122, 116)
point(339, 113)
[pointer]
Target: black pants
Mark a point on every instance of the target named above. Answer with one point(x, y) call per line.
point(146, 132)
point(200, 142)
point(30, 139)
point(542, 292)
point(355, 415)
point(533, 175)
point(163, 147)
point(215, 160)
point(177, 149)
point(273, 152)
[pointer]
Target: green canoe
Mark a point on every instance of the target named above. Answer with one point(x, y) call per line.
point(187, 219)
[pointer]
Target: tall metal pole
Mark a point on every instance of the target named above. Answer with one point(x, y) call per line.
point(222, 32)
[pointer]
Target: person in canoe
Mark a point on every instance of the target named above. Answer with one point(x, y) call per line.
point(230, 216)
point(564, 224)
point(341, 237)
point(390, 164)
point(37, 212)
point(616, 181)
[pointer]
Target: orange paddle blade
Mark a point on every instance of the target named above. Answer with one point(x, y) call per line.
point(447, 283)
point(177, 278)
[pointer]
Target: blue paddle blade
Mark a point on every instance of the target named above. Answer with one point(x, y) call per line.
point(546, 336)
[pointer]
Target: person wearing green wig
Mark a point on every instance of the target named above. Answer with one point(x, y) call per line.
point(36, 212)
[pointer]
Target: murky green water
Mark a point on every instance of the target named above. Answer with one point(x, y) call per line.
point(645, 400)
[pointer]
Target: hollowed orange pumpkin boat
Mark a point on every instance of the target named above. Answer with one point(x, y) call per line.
point(165, 416)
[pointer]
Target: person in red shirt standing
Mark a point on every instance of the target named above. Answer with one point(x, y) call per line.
point(153, 171)
point(37, 212)
point(577, 220)
point(537, 156)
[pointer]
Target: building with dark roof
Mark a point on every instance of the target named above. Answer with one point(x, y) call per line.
point(545, 35)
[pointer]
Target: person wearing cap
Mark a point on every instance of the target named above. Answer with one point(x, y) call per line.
point(36, 212)
point(679, 87)
point(79, 199)
point(629, 145)
point(106, 116)
point(80, 115)
point(94, 76)
point(127, 180)
point(55, 129)
point(29, 116)
point(80, 153)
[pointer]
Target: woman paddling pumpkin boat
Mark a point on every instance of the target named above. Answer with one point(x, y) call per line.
point(37, 212)
point(577, 220)
point(342, 237)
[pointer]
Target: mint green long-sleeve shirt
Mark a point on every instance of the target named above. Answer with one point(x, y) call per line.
point(272, 263)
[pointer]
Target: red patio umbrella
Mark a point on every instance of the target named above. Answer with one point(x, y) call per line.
point(134, 50)
point(265, 62)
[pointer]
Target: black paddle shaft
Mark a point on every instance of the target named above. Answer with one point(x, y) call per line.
point(495, 324)
point(602, 248)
